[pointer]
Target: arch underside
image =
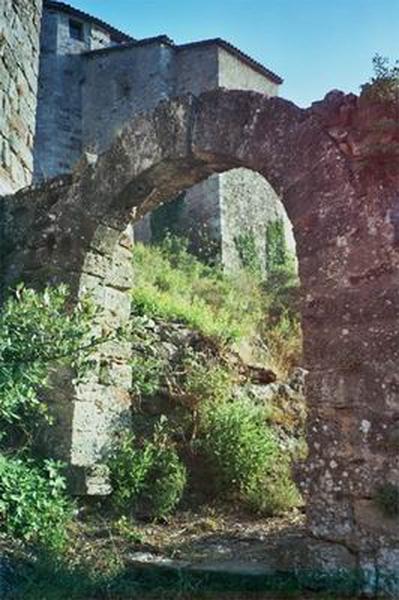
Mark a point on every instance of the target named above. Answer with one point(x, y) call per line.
point(75, 230)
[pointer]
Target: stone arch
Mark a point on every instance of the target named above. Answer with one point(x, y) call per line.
point(72, 228)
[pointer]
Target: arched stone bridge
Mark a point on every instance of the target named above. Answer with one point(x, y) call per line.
point(341, 194)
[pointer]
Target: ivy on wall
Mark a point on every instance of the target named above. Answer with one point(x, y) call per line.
point(276, 247)
point(249, 256)
point(277, 254)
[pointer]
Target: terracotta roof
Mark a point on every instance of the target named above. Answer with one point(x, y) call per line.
point(116, 35)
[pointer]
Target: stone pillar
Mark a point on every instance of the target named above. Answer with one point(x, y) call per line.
point(19, 64)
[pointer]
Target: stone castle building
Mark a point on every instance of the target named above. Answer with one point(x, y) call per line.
point(72, 90)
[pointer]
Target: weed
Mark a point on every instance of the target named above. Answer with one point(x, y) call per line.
point(148, 477)
point(173, 284)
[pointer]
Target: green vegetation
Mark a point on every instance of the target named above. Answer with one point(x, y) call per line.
point(147, 478)
point(38, 333)
point(33, 503)
point(231, 440)
point(277, 255)
point(244, 457)
point(384, 84)
point(154, 467)
point(173, 284)
point(248, 253)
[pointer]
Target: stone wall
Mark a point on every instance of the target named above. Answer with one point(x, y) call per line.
point(58, 143)
point(86, 414)
point(234, 74)
point(196, 69)
point(219, 208)
point(136, 79)
point(216, 210)
point(248, 204)
point(81, 114)
point(339, 173)
point(19, 57)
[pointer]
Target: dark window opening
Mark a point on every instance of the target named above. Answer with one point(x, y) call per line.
point(76, 30)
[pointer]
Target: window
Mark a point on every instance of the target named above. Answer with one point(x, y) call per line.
point(76, 30)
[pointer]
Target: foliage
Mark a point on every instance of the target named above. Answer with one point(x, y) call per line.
point(281, 328)
point(33, 504)
point(384, 85)
point(206, 381)
point(277, 492)
point(244, 456)
point(387, 498)
point(147, 476)
point(230, 438)
point(173, 284)
point(248, 253)
point(38, 332)
point(276, 248)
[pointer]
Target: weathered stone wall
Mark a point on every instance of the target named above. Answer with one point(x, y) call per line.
point(86, 415)
point(19, 57)
point(58, 143)
point(82, 114)
point(222, 207)
point(196, 70)
point(136, 79)
point(336, 170)
point(233, 74)
point(248, 204)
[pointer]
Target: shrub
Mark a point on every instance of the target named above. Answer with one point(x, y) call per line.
point(384, 85)
point(278, 492)
point(277, 254)
point(281, 328)
point(33, 504)
point(238, 444)
point(147, 477)
point(206, 381)
point(245, 458)
point(36, 332)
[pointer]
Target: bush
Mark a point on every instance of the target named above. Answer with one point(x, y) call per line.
point(33, 504)
point(205, 380)
point(148, 477)
point(245, 458)
point(277, 493)
point(281, 327)
point(39, 331)
point(36, 332)
point(384, 85)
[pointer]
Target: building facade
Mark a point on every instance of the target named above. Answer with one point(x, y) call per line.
point(93, 79)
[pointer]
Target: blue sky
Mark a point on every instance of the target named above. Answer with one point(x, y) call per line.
point(315, 45)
